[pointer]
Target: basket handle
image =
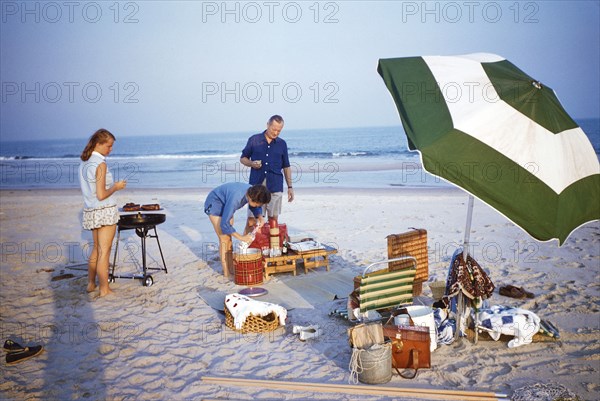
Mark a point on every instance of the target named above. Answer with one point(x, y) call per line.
point(390, 260)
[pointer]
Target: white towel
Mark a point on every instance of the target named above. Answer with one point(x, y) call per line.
point(240, 307)
point(243, 246)
point(305, 246)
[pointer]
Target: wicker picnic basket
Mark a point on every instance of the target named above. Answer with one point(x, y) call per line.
point(438, 289)
point(253, 324)
point(412, 243)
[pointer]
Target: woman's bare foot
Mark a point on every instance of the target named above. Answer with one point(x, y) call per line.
point(91, 287)
point(108, 292)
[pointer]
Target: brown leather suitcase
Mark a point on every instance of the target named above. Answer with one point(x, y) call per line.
point(410, 348)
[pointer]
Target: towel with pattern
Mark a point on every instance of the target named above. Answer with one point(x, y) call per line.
point(240, 307)
point(517, 322)
point(470, 278)
point(445, 326)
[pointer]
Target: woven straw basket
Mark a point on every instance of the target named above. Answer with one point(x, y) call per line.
point(412, 243)
point(253, 324)
point(438, 289)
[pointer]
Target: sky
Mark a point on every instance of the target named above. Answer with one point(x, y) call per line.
point(168, 67)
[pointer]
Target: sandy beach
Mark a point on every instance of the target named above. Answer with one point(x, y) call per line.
point(158, 342)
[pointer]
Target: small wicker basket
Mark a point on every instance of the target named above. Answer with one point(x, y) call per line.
point(253, 324)
point(438, 289)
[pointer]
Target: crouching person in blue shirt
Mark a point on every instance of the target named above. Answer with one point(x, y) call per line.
point(220, 206)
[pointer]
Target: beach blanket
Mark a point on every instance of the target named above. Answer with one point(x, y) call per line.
point(517, 322)
point(468, 278)
point(240, 307)
point(445, 326)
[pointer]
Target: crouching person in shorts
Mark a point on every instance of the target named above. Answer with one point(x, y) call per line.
point(220, 206)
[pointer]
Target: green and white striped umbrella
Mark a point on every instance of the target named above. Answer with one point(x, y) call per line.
point(486, 126)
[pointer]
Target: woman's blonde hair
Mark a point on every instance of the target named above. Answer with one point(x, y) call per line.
point(99, 137)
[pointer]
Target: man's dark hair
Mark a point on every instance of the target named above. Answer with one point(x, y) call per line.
point(259, 194)
point(277, 118)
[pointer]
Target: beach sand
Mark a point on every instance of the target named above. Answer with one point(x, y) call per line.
point(158, 342)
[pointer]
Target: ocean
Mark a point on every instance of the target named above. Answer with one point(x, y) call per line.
point(367, 157)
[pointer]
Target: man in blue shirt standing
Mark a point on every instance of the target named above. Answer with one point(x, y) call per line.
point(267, 156)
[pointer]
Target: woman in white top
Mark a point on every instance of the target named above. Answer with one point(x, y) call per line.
point(100, 214)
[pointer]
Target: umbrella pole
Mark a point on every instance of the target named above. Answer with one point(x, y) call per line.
point(459, 312)
point(468, 228)
point(466, 250)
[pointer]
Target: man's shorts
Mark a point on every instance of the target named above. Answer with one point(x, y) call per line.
point(273, 209)
point(213, 206)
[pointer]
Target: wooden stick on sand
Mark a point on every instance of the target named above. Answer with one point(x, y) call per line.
point(430, 394)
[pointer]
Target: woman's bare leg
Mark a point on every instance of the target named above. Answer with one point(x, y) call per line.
point(106, 234)
point(92, 263)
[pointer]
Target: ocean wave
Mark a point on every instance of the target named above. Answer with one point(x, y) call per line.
point(216, 155)
point(128, 157)
point(180, 156)
point(358, 153)
point(34, 158)
point(347, 154)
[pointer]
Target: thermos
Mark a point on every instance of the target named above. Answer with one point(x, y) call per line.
point(274, 236)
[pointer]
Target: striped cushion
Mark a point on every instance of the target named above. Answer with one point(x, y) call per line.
point(387, 289)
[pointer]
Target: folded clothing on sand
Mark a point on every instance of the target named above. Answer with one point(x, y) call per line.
point(240, 307)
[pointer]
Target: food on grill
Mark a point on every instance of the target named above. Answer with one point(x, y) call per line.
point(151, 206)
point(131, 207)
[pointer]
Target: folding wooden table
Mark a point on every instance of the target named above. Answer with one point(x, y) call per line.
point(287, 263)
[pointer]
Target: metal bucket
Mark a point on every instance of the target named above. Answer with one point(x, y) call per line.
point(422, 315)
point(375, 365)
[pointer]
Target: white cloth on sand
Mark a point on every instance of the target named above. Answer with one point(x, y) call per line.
point(240, 307)
point(517, 322)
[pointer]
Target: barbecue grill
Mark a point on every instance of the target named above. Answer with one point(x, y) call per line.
point(142, 224)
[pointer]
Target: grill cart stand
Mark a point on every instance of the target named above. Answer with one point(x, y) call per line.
point(142, 224)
